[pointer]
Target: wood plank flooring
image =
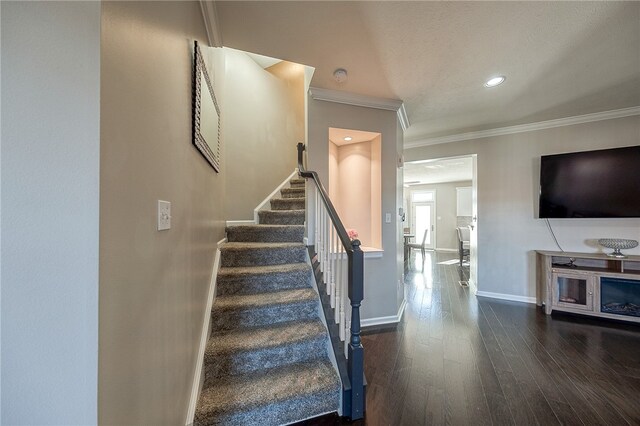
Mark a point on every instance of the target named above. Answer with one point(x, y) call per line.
point(464, 360)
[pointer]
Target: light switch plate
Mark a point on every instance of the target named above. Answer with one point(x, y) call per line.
point(164, 215)
point(387, 217)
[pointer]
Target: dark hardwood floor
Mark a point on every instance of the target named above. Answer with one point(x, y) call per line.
point(465, 360)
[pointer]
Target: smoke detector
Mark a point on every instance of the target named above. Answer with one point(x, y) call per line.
point(340, 75)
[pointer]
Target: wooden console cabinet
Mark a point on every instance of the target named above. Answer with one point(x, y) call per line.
point(590, 284)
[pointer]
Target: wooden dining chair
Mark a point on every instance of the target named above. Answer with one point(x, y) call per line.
point(464, 244)
point(422, 246)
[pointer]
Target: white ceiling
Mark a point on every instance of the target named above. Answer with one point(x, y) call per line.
point(438, 171)
point(561, 59)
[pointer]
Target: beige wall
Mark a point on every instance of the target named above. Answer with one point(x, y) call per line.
point(50, 209)
point(293, 77)
point(354, 182)
point(383, 276)
point(376, 192)
point(263, 120)
point(446, 218)
point(153, 285)
point(334, 175)
point(508, 169)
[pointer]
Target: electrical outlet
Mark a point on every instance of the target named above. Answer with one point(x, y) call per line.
point(164, 215)
point(387, 218)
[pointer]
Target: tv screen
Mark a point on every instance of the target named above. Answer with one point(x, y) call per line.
point(591, 184)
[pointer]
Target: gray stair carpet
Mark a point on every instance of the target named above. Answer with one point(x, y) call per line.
point(282, 217)
point(266, 362)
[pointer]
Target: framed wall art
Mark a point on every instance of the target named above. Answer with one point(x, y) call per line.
point(206, 112)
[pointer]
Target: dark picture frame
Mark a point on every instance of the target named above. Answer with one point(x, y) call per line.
point(206, 112)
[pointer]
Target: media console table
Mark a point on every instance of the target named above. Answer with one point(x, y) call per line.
point(589, 284)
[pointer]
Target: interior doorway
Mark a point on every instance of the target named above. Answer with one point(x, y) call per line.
point(441, 195)
point(423, 225)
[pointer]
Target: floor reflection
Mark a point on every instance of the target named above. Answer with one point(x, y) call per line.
point(427, 279)
point(455, 358)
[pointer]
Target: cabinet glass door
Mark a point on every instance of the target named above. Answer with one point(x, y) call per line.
point(573, 291)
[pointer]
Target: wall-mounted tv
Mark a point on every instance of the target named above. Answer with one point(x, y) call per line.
point(604, 183)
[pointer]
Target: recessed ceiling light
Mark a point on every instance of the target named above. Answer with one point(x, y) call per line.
point(348, 138)
point(495, 81)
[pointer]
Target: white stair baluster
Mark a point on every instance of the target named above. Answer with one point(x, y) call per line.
point(323, 267)
point(324, 242)
point(338, 280)
point(317, 229)
point(343, 290)
point(332, 277)
point(329, 274)
point(315, 218)
point(347, 325)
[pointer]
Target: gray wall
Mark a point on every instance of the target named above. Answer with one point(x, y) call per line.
point(153, 285)
point(383, 276)
point(446, 218)
point(508, 169)
point(50, 199)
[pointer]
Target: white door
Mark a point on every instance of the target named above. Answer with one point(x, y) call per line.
point(423, 215)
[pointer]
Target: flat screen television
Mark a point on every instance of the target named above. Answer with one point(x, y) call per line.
point(590, 184)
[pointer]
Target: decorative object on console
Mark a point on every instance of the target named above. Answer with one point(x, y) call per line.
point(617, 244)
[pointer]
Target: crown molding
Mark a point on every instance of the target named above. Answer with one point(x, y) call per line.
point(402, 116)
point(521, 128)
point(347, 98)
point(210, 17)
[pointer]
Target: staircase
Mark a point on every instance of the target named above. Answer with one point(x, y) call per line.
point(266, 361)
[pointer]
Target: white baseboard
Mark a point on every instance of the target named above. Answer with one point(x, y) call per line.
point(198, 378)
point(240, 222)
point(504, 296)
point(266, 201)
point(392, 319)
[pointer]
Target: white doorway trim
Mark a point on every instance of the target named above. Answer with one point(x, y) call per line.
point(474, 255)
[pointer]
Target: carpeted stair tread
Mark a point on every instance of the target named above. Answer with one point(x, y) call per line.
point(253, 301)
point(266, 269)
point(252, 310)
point(261, 244)
point(271, 397)
point(282, 217)
point(262, 279)
point(262, 337)
point(257, 253)
point(287, 203)
point(266, 361)
point(265, 233)
point(258, 348)
point(292, 192)
point(297, 182)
